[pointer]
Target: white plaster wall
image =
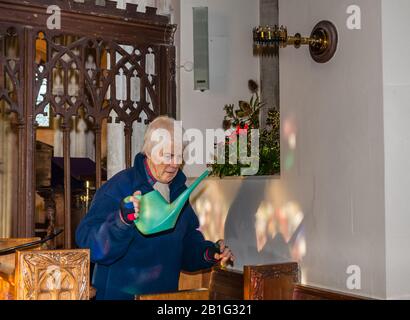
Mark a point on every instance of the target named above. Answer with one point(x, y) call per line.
point(337, 109)
point(332, 159)
point(396, 53)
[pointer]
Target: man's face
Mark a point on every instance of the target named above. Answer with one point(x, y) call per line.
point(164, 167)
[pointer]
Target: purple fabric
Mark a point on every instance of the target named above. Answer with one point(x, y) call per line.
point(80, 167)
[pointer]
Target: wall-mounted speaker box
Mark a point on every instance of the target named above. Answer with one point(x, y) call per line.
point(201, 48)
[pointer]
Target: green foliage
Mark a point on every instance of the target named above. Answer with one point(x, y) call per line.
point(246, 116)
point(269, 149)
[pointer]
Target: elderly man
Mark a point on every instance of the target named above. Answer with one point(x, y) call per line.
point(127, 262)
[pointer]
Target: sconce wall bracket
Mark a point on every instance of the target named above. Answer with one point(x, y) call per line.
point(327, 33)
point(322, 42)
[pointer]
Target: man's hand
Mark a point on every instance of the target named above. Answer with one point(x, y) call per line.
point(225, 256)
point(130, 210)
point(136, 203)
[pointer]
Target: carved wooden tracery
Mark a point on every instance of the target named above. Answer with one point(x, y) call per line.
point(11, 67)
point(132, 47)
point(53, 275)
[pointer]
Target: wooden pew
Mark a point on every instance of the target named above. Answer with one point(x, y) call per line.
point(265, 282)
point(226, 285)
point(261, 282)
point(304, 292)
point(212, 284)
point(194, 280)
point(282, 282)
point(35, 274)
point(8, 266)
point(271, 282)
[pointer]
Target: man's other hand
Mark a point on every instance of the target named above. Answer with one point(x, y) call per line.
point(225, 256)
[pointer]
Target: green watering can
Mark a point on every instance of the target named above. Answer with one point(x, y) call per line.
point(156, 214)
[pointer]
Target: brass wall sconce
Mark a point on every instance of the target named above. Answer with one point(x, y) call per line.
point(322, 42)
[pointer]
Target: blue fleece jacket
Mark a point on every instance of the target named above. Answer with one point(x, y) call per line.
point(127, 262)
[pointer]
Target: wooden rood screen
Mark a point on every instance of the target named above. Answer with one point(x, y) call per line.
point(97, 47)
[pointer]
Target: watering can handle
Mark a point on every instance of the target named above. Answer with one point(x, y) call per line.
point(128, 199)
point(127, 207)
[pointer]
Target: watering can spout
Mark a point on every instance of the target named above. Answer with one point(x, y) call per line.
point(179, 203)
point(157, 215)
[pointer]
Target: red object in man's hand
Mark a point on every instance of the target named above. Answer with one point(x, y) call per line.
point(131, 217)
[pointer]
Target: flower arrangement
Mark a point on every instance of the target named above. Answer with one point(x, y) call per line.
point(239, 121)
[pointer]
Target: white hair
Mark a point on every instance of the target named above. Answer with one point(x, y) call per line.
point(160, 123)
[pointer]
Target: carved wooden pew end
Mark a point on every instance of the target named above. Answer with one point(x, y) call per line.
point(53, 275)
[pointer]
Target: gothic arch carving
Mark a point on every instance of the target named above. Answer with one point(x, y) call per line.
point(97, 46)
